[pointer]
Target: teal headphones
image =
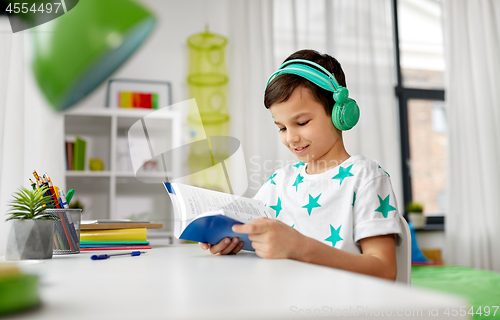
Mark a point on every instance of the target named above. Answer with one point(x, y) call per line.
point(345, 112)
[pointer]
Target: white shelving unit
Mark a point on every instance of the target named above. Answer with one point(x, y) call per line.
point(116, 193)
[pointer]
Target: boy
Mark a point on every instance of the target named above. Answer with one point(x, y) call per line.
point(331, 209)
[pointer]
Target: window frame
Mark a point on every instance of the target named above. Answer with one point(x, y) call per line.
point(403, 94)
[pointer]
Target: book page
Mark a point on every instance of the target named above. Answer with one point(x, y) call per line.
point(198, 201)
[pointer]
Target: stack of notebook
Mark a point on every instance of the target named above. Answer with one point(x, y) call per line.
point(115, 234)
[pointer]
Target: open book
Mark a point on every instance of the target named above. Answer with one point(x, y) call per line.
point(207, 216)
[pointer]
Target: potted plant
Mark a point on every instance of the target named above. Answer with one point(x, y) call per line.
point(32, 231)
point(415, 212)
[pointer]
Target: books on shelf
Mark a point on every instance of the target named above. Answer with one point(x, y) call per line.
point(203, 215)
point(79, 154)
point(143, 100)
point(75, 154)
point(69, 155)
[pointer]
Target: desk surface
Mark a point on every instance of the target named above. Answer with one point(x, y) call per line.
point(185, 282)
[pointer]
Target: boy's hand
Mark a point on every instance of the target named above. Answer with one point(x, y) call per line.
point(272, 239)
point(225, 246)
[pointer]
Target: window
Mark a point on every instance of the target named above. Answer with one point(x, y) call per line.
point(421, 44)
point(420, 91)
point(427, 135)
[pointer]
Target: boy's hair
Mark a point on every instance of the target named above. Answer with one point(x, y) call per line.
point(281, 87)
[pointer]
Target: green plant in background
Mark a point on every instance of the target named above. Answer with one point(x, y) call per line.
point(414, 207)
point(30, 205)
point(145, 216)
point(76, 205)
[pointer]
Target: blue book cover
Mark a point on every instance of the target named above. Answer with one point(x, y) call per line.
point(212, 229)
point(207, 216)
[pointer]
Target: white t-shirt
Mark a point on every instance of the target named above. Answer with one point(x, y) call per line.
point(338, 207)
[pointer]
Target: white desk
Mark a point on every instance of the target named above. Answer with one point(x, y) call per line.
point(185, 282)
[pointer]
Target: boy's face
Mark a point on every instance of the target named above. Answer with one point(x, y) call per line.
point(305, 128)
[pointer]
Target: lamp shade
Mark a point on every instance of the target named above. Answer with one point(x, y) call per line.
point(85, 46)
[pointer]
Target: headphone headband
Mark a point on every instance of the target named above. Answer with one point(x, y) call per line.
point(300, 67)
point(345, 112)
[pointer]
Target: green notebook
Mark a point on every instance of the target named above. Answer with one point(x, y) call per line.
point(79, 154)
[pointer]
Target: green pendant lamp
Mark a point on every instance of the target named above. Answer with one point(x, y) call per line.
point(85, 46)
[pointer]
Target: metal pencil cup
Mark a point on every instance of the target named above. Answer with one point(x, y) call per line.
point(66, 230)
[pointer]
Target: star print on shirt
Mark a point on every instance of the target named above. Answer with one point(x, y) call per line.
point(313, 203)
point(271, 178)
point(298, 180)
point(354, 198)
point(335, 235)
point(384, 207)
point(344, 173)
point(277, 207)
point(300, 163)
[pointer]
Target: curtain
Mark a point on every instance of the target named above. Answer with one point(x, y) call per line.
point(6, 65)
point(250, 63)
point(359, 34)
point(472, 48)
point(31, 134)
point(361, 38)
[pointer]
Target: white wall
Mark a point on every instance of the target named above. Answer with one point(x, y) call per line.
point(25, 114)
point(164, 55)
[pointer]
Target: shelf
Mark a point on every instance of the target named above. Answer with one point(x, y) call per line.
point(87, 125)
point(108, 112)
point(147, 202)
point(95, 131)
point(116, 174)
point(88, 174)
point(116, 192)
point(144, 174)
point(144, 181)
point(92, 193)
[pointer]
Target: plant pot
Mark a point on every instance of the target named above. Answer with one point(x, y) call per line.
point(30, 239)
point(417, 219)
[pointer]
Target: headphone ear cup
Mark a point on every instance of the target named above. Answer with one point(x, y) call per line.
point(351, 114)
point(337, 115)
point(346, 115)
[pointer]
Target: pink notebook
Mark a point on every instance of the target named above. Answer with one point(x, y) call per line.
point(115, 248)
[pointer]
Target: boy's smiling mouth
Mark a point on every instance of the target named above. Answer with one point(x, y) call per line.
point(300, 150)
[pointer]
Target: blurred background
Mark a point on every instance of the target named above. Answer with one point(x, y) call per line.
point(408, 64)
